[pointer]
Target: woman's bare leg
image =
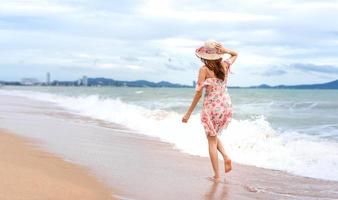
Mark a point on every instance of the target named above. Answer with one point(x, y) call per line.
point(212, 141)
point(220, 148)
point(227, 161)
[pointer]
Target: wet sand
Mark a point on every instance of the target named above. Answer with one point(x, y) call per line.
point(140, 167)
point(30, 173)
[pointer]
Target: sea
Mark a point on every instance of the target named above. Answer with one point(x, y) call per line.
point(291, 130)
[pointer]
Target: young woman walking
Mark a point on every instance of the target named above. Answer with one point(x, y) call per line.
point(216, 112)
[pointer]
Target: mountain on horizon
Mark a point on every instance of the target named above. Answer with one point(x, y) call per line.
point(328, 85)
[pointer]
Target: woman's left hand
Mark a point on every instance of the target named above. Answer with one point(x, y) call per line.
point(221, 48)
point(186, 118)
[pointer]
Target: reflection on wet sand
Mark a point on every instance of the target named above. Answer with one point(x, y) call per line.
point(217, 190)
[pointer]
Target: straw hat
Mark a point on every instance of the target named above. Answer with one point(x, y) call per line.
point(208, 51)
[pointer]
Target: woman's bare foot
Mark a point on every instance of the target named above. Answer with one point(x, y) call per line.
point(227, 165)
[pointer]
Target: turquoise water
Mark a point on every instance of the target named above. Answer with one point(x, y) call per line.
point(312, 112)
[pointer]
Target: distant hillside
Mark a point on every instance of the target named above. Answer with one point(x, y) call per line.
point(9, 83)
point(329, 85)
point(137, 83)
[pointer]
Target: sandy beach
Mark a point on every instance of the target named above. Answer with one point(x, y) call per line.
point(30, 173)
point(136, 166)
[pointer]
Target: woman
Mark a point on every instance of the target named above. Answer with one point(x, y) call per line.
point(216, 112)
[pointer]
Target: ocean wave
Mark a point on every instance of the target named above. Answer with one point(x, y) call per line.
point(251, 141)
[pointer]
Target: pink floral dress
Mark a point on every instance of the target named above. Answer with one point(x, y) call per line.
point(216, 112)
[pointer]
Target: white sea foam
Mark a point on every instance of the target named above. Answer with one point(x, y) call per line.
point(252, 141)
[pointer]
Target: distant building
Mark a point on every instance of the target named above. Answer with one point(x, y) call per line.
point(82, 81)
point(29, 81)
point(79, 82)
point(85, 80)
point(48, 78)
point(194, 84)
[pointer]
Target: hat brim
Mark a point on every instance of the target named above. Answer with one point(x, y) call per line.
point(208, 56)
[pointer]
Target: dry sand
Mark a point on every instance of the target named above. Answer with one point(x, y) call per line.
point(30, 173)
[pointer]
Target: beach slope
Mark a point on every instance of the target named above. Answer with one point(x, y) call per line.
point(30, 173)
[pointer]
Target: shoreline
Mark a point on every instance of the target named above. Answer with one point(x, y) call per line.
point(142, 167)
point(30, 173)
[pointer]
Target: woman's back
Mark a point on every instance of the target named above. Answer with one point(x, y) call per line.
point(217, 108)
point(214, 83)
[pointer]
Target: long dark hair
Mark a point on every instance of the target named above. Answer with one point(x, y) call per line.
point(215, 66)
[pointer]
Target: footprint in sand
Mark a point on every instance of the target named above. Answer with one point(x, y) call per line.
point(250, 188)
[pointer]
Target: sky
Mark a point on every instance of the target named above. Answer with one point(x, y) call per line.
point(278, 42)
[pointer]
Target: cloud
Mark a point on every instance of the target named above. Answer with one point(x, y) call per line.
point(170, 9)
point(34, 8)
point(174, 67)
point(273, 72)
point(130, 58)
point(143, 35)
point(308, 67)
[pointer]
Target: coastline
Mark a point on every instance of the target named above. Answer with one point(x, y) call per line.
point(30, 173)
point(141, 167)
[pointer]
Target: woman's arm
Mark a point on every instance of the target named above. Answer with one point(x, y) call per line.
point(201, 77)
point(233, 54)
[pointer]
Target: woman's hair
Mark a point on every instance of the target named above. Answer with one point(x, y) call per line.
point(215, 66)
